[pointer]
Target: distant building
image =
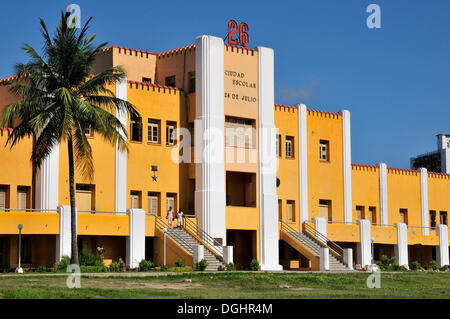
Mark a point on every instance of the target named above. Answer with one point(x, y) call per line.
point(437, 161)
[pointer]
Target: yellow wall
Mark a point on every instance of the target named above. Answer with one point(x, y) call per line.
point(365, 189)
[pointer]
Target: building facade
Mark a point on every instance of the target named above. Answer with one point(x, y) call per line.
point(255, 179)
point(437, 161)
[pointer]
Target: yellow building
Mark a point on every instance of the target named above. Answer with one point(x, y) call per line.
point(256, 180)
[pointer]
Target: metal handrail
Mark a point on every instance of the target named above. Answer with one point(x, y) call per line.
point(334, 248)
point(172, 234)
point(203, 237)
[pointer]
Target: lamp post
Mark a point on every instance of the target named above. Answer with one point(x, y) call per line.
point(19, 269)
point(373, 251)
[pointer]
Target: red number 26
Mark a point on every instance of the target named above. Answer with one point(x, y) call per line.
point(243, 35)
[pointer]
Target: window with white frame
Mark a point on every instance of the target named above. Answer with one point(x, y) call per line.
point(289, 146)
point(170, 132)
point(153, 131)
point(324, 150)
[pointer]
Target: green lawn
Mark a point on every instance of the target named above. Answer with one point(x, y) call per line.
point(231, 285)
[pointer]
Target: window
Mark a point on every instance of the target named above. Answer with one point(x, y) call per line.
point(171, 201)
point(135, 199)
point(373, 214)
point(290, 210)
point(84, 197)
point(170, 130)
point(324, 150)
point(404, 216)
point(325, 209)
point(239, 132)
point(191, 80)
point(170, 81)
point(289, 146)
point(359, 213)
point(432, 218)
point(146, 80)
point(153, 203)
point(278, 141)
point(89, 132)
point(136, 129)
point(4, 196)
point(443, 218)
point(23, 194)
point(153, 131)
point(280, 209)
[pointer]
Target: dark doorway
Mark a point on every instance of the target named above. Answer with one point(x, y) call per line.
point(149, 249)
point(244, 247)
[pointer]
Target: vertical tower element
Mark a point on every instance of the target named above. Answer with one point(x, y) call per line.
point(64, 238)
point(135, 243)
point(209, 136)
point(364, 246)
point(442, 249)
point(382, 171)
point(347, 165)
point(47, 181)
point(268, 205)
point(303, 163)
point(121, 156)
point(424, 200)
point(401, 249)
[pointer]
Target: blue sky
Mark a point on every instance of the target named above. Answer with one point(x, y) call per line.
point(395, 80)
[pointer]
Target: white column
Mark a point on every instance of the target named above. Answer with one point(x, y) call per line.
point(364, 245)
point(303, 162)
point(324, 255)
point(198, 253)
point(228, 254)
point(442, 249)
point(347, 165)
point(401, 249)
point(382, 171)
point(424, 200)
point(121, 156)
point(268, 206)
point(209, 136)
point(348, 257)
point(47, 181)
point(64, 238)
point(136, 239)
point(320, 224)
point(445, 161)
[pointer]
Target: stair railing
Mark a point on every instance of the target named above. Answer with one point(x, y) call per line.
point(203, 237)
point(177, 238)
point(321, 239)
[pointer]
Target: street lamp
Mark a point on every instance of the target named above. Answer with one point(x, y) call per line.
point(373, 251)
point(19, 269)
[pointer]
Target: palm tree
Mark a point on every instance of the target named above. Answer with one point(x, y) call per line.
point(59, 98)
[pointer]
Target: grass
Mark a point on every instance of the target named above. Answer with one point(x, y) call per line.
point(257, 285)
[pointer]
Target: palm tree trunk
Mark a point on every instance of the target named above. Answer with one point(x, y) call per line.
point(73, 219)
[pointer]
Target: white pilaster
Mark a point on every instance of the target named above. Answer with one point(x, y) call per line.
point(121, 156)
point(303, 162)
point(348, 257)
point(64, 238)
point(198, 253)
point(364, 245)
point(442, 250)
point(445, 161)
point(267, 162)
point(401, 249)
point(382, 171)
point(209, 135)
point(47, 181)
point(136, 240)
point(320, 224)
point(324, 254)
point(424, 200)
point(347, 165)
point(228, 254)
